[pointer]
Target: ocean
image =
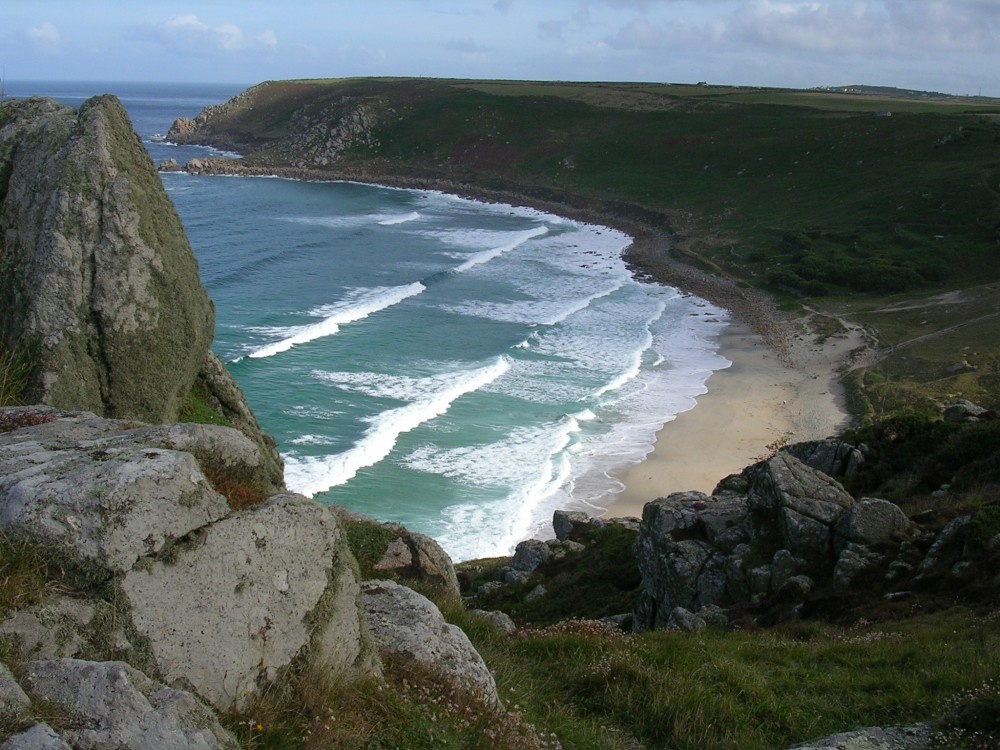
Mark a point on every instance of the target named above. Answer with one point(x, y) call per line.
point(463, 368)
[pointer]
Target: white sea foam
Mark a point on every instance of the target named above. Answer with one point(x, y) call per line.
point(399, 219)
point(513, 241)
point(531, 465)
point(358, 306)
point(312, 474)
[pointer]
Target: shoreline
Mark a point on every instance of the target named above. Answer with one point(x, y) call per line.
point(750, 409)
point(782, 387)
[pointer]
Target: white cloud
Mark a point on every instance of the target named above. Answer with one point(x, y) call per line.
point(189, 34)
point(46, 36)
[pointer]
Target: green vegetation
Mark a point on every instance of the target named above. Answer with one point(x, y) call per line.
point(599, 581)
point(15, 371)
point(25, 573)
point(368, 542)
point(592, 687)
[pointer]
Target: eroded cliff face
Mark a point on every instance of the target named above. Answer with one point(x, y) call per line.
point(95, 268)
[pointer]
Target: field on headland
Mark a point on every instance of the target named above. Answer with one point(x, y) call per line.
point(848, 209)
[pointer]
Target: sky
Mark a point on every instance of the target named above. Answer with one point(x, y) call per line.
point(952, 46)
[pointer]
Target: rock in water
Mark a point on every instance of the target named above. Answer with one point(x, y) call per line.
point(95, 268)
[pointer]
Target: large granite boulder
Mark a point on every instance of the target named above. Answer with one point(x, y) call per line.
point(912, 737)
point(416, 556)
point(96, 273)
point(799, 505)
point(116, 706)
point(216, 600)
point(408, 624)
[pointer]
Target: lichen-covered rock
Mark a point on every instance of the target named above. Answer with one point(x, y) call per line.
point(871, 522)
point(799, 504)
point(224, 396)
point(499, 620)
point(116, 706)
point(95, 270)
point(14, 702)
point(412, 555)
point(529, 554)
point(100, 504)
point(38, 737)
point(405, 623)
point(60, 627)
point(913, 737)
point(569, 524)
point(235, 604)
point(835, 458)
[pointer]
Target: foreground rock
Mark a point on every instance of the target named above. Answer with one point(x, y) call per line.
point(914, 737)
point(407, 624)
point(98, 274)
point(116, 706)
point(100, 288)
point(167, 576)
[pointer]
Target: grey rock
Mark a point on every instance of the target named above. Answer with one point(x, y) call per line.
point(798, 505)
point(536, 593)
point(759, 581)
point(14, 702)
point(412, 555)
point(913, 737)
point(54, 629)
point(499, 620)
point(682, 619)
point(782, 568)
point(102, 503)
point(856, 560)
point(714, 616)
point(97, 268)
point(529, 554)
point(116, 706)
point(407, 624)
point(835, 458)
point(39, 737)
point(490, 587)
point(223, 395)
point(963, 411)
point(796, 588)
point(512, 577)
point(871, 522)
point(785, 482)
point(560, 548)
point(946, 549)
point(260, 577)
point(569, 524)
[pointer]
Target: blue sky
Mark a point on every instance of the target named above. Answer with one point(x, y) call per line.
point(942, 45)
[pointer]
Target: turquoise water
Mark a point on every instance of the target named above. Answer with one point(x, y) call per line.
point(463, 368)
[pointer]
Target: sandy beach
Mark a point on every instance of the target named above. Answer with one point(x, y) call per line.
point(761, 401)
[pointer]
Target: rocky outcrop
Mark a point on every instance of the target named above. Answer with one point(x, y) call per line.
point(782, 533)
point(913, 737)
point(98, 283)
point(96, 274)
point(416, 556)
point(407, 624)
point(166, 575)
point(114, 705)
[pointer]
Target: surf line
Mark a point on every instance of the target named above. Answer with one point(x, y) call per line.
point(382, 299)
point(318, 474)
